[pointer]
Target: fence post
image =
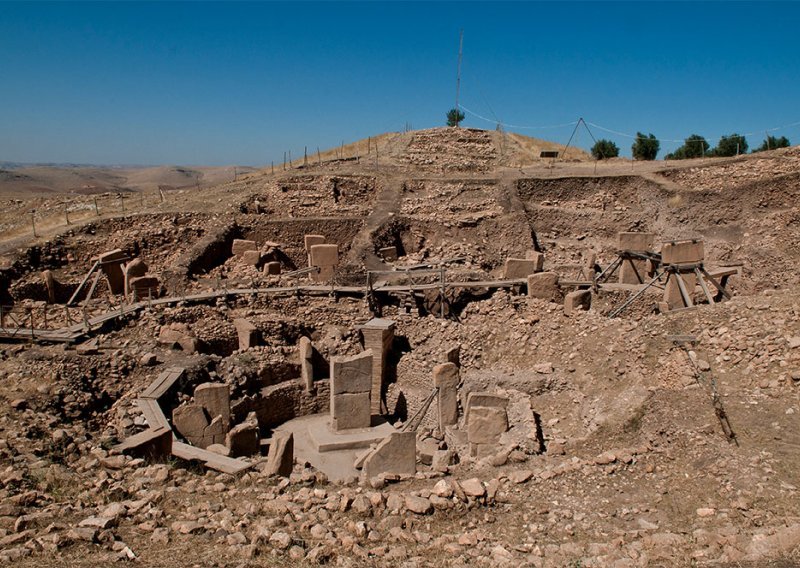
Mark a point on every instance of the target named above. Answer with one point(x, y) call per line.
point(122, 202)
point(66, 213)
point(33, 223)
point(96, 209)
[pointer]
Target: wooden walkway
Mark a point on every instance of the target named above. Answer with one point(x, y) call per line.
point(73, 333)
point(150, 406)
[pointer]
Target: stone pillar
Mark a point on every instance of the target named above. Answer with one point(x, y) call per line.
point(351, 382)
point(249, 335)
point(136, 267)
point(306, 363)
point(216, 399)
point(445, 379)
point(378, 336)
point(326, 258)
point(634, 242)
point(111, 265)
point(487, 420)
point(676, 254)
point(311, 240)
point(50, 285)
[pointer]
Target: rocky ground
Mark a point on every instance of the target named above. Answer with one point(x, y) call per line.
point(634, 467)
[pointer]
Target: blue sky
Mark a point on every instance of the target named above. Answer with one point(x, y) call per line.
point(224, 83)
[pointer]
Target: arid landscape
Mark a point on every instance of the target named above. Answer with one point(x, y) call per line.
point(430, 348)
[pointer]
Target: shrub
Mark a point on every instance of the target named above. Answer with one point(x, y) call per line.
point(454, 117)
point(645, 147)
point(604, 149)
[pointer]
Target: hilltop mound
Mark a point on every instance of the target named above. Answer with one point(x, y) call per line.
point(446, 149)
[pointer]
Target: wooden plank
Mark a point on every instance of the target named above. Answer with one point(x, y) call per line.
point(92, 288)
point(153, 413)
point(210, 459)
point(83, 282)
point(163, 382)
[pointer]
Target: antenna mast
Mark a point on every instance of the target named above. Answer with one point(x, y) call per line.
point(458, 76)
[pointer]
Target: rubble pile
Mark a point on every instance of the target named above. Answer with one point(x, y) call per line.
point(451, 150)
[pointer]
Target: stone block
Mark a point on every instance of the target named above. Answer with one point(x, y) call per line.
point(280, 458)
point(389, 254)
point(395, 454)
point(326, 258)
point(272, 268)
point(173, 337)
point(636, 242)
point(445, 379)
point(214, 433)
point(306, 350)
point(577, 300)
point(136, 267)
point(682, 252)
point(520, 268)
point(481, 398)
point(144, 287)
point(240, 246)
point(352, 375)
point(249, 336)
point(242, 439)
point(153, 444)
point(543, 285)
point(190, 421)
point(216, 399)
point(111, 266)
point(350, 411)
point(486, 424)
point(251, 257)
point(537, 257)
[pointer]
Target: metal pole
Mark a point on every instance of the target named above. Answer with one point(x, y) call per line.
point(97, 210)
point(458, 75)
point(66, 213)
point(441, 300)
point(33, 223)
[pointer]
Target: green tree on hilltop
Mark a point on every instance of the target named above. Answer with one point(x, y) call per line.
point(645, 147)
point(454, 117)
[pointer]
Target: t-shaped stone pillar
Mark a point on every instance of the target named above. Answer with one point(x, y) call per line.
point(111, 265)
point(378, 336)
point(350, 391)
point(445, 379)
point(634, 271)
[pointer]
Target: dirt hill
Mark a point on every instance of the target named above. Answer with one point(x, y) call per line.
point(620, 446)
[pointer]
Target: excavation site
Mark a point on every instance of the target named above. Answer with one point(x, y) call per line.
point(443, 347)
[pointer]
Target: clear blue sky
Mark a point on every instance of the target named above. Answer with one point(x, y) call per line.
point(224, 83)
